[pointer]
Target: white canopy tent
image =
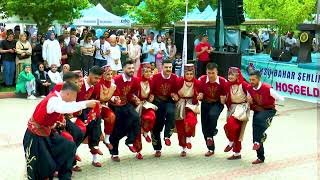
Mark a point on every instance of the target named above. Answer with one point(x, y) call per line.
point(98, 16)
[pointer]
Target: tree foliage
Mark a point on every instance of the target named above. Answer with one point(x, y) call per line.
point(204, 3)
point(289, 13)
point(160, 12)
point(45, 12)
point(117, 7)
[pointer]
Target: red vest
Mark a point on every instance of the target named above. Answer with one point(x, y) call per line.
point(41, 122)
point(262, 98)
point(57, 87)
point(162, 88)
point(125, 90)
point(212, 91)
point(83, 94)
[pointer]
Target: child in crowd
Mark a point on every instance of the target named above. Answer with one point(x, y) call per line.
point(177, 64)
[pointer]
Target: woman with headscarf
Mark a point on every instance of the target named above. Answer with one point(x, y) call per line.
point(134, 51)
point(148, 51)
point(24, 51)
point(26, 82)
point(187, 108)
point(43, 81)
point(238, 111)
point(146, 109)
point(115, 54)
point(161, 52)
point(51, 50)
point(73, 52)
point(123, 48)
point(103, 91)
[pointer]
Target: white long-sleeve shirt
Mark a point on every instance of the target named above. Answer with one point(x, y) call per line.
point(115, 54)
point(56, 104)
point(273, 93)
point(55, 77)
point(51, 52)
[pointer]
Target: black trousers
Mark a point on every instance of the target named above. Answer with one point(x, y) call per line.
point(261, 121)
point(86, 65)
point(201, 67)
point(76, 133)
point(210, 113)
point(127, 124)
point(44, 155)
point(165, 117)
point(93, 131)
point(42, 90)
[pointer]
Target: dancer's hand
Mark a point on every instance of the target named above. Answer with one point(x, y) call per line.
point(200, 96)
point(223, 99)
point(249, 100)
point(174, 97)
point(151, 98)
point(91, 103)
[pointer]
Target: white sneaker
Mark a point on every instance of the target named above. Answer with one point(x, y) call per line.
point(31, 97)
point(43, 96)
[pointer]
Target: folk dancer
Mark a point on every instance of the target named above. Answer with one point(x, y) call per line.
point(45, 151)
point(238, 111)
point(146, 109)
point(165, 96)
point(211, 89)
point(187, 108)
point(262, 101)
point(127, 119)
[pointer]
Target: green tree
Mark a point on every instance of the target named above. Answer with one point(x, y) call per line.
point(289, 13)
point(45, 12)
point(204, 3)
point(117, 7)
point(159, 13)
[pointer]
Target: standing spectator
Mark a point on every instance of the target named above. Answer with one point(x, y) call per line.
point(36, 57)
point(102, 51)
point(64, 56)
point(83, 35)
point(160, 53)
point(148, 51)
point(290, 41)
point(171, 49)
point(245, 42)
point(24, 51)
point(203, 49)
point(94, 37)
point(42, 81)
point(74, 55)
point(51, 50)
point(16, 32)
point(115, 54)
point(123, 48)
point(134, 51)
point(177, 65)
point(26, 82)
point(8, 56)
point(66, 36)
point(73, 32)
point(87, 51)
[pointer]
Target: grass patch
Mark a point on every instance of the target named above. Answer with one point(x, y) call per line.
point(7, 89)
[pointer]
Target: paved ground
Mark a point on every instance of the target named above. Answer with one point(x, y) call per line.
point(291, 150)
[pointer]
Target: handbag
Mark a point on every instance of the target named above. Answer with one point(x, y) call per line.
point(25, 56)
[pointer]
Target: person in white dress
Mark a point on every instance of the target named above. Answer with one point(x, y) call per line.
point(51, 51)
point(134, 50)
point(115, 55)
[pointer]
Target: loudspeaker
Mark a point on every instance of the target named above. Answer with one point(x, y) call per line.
point(232, 12)
point(225, 60)
point(280, 55)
